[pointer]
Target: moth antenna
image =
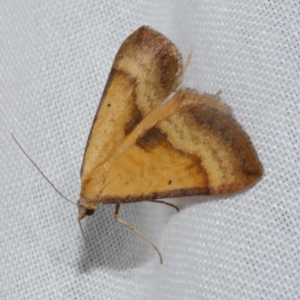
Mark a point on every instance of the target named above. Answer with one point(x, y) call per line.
point(187, 61)
point(82, 232)
point(177, 81)
point(42, 172)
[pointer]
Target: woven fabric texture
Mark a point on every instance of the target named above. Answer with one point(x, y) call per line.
point(55, 60)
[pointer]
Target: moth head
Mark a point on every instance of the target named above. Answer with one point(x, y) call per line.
point(84, 210)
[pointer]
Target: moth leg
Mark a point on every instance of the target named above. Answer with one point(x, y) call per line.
point(163, 202)
point(130, 226)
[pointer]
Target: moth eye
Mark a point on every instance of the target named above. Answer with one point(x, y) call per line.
point(89, 212)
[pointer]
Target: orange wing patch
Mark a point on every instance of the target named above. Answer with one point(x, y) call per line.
point(145, 71)
point(142, 147)
point(197, 149)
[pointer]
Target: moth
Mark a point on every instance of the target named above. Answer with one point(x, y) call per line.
point(151, 139)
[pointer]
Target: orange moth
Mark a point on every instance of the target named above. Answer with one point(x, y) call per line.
point(151, 140)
